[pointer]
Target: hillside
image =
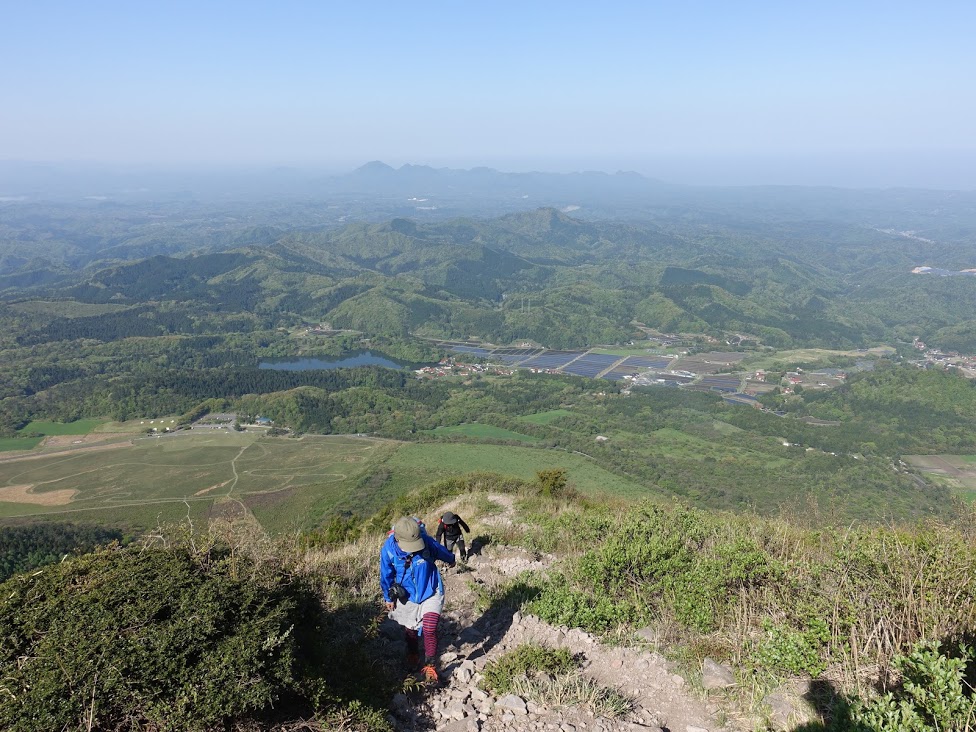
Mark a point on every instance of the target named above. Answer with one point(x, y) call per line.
point(571, 612)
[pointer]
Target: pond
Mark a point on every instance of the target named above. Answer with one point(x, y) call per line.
point(346, 361)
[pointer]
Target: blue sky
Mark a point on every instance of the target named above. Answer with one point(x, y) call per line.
point(515, 85)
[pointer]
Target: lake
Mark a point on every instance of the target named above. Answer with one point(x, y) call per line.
point(346, 361)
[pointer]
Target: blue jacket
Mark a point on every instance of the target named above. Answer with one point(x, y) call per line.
point(421, 580)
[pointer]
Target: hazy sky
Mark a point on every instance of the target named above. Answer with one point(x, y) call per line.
point(641, 85)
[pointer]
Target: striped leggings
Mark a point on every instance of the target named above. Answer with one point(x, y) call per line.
point(429, 634)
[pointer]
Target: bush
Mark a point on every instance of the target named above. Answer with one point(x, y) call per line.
point(932, 696)
point(528, 659)
point(158, 638)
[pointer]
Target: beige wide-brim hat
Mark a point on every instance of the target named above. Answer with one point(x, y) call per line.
point(406, 531)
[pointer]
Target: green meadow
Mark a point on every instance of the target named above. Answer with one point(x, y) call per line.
point(280, 481)
point(79, 427)
point(417, 464)
point(8, 444)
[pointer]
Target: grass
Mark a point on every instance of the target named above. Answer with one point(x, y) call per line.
point(551, 677)
point(135, 426)
point(781, 359)
point(545, 418)
point(18, 443)
point(484, 431)
point(284, 482)
point(418, 464)
point(79, 427)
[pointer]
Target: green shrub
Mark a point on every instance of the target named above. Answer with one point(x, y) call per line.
point(561, 604)
point(932, 696)
point(654, 559)
point(158, 638)
point(528, 659)
point(784, 649)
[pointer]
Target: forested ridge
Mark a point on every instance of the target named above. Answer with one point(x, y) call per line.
point(539, 275)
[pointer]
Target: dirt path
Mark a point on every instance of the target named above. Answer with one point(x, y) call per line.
point(469, 638)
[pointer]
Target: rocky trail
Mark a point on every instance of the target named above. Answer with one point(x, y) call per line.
point(659, 698)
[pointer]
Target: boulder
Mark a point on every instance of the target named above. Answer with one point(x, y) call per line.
point(512, 703)
point(716, 675)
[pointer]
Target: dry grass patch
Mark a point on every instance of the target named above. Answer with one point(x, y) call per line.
point(25, 494)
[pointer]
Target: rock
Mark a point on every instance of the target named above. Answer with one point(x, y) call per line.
point(689, 728)
point(716, 675)
point(781, 710)
point(513, 703)
point(463, 675)
point(648, 634)
point(677, 680)
point(447, 658)
point(478, 695)
point(460, 725)
point(567, 727)
point(400, 701)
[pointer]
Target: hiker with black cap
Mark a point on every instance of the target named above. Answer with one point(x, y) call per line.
point(413, 589)
point(449, 533)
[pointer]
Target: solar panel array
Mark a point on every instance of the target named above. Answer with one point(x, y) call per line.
point(552, 359)
point(513, 355)
point(472, 350)
point(696, 367)
point(721, 381)
point(581, 363)
point(649, 362)
point(590, 365)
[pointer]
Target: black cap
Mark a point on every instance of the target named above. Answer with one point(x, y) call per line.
point(449, 518)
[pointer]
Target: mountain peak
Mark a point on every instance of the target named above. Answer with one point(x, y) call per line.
point(375, 167)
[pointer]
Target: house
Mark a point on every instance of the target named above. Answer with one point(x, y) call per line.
point(263, 421)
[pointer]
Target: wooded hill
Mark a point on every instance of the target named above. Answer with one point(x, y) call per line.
point(538, 275)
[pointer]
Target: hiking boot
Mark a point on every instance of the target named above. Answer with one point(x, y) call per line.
point(413, 661)
point(429, 674)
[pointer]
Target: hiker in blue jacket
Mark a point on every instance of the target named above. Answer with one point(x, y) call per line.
point(413, 589)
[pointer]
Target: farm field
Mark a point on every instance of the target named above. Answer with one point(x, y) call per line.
point(79, 427)
point(955, 471)
point(8, 444)
point(278, 480)
point(134, 426)
point(810, 355)
point(415, 464)
point(486, 431)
